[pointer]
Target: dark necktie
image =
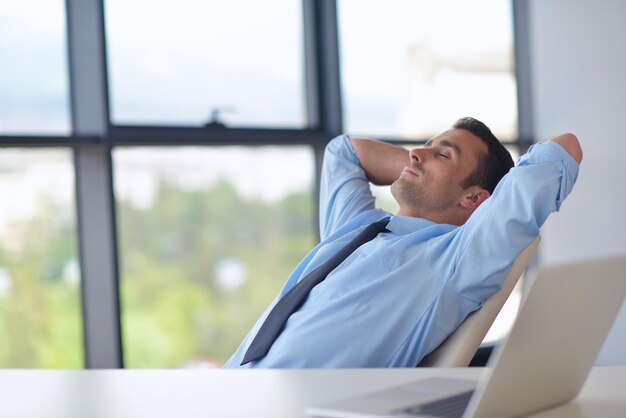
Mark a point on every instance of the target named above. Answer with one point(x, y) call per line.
point(294, 298)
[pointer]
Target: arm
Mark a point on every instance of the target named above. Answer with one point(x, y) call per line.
point(381, 162)
point(344, 187)
point(509, 220)
point(570, 143)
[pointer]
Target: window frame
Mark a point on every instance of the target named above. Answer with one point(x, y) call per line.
point(94, 137)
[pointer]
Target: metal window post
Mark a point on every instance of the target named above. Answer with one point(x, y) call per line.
point(323, 78)
point(523, 72)
point(94, 185)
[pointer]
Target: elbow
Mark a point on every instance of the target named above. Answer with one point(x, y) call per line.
point(571, 144)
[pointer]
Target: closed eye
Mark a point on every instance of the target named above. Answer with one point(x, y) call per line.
point(443, 155)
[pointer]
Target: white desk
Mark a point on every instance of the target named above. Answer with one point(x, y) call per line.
point(242, 394)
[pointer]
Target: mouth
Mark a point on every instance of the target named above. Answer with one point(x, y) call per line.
point(410, 171)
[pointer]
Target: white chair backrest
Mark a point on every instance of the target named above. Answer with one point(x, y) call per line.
point(459, 348)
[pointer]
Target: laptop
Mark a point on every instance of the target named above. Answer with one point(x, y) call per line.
point(543, 363)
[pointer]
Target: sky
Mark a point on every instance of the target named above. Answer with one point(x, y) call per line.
point(172, 65)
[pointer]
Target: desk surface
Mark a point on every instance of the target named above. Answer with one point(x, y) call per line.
point(242, 393)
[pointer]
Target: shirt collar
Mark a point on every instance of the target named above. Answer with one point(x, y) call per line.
point(403, 225)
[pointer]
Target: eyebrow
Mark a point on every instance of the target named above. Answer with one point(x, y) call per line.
point(445, 143)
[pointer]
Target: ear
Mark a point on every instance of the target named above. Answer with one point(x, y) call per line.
point(473, 197)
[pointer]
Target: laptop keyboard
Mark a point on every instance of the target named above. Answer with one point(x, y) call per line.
point(452, 407)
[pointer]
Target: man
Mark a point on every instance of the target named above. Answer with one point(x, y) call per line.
point(451, 244)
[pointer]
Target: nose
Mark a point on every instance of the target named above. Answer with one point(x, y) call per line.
point(417, 154)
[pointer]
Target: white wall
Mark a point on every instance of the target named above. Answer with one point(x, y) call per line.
point(578, 69)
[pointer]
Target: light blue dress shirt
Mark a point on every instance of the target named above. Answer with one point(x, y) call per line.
point(397, 297)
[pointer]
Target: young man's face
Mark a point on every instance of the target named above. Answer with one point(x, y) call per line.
point(430, 185)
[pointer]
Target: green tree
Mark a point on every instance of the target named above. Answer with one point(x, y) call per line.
point(175, 309)
point(40, 320)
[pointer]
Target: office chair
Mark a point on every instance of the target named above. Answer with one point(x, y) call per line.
point(459, 348)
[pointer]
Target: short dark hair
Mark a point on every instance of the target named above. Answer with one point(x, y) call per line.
point(491, 167)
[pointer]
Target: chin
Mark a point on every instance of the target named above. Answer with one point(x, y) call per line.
point(396, 190)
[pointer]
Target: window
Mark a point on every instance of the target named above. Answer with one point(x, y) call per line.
point(410, 68)
point(191, 220)
point(33, 74)
point(40, 313)
point(200, 62)
point(207, 236)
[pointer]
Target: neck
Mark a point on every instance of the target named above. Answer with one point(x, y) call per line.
point(440, 217)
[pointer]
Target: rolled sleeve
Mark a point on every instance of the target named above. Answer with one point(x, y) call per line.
point(476, 258)
point(551, 152)
point(344, 188)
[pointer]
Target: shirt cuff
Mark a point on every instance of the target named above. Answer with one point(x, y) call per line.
point(551, 152)
point(341, 146)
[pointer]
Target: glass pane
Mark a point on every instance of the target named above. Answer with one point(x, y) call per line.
point(238, 62)
point(40, 311)
point(34, 96)
point(410, 68)
point(207, 236)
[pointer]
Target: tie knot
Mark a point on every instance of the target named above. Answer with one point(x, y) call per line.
point(381, 226)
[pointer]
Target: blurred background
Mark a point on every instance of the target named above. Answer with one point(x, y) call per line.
point(159, 161)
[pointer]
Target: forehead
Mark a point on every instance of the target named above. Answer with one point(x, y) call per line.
point(464, 142)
